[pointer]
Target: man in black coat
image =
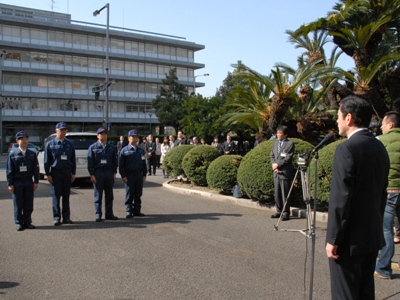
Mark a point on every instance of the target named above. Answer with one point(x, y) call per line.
point(229, 145)
point(357, 202)
point(151, 159)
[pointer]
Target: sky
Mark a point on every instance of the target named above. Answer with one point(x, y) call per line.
point(252, 31)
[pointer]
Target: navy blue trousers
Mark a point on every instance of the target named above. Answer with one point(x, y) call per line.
point(104, 182)
point(23, 202)
point(61, 188)
point(134, 190)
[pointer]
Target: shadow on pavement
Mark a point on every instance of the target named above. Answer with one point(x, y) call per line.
point(7, 285)
point(139, 222)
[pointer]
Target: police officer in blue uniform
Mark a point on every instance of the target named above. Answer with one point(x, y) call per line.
point(60, 168)
point(102, 164)
point(133, 170)
point(22, 165)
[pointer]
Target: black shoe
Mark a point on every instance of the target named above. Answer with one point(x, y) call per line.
point(57, 223)
point(149, 174)
point(285, 217)
point(138, 214)
point(29, 226)
point(129, 215)
point(276, 215)
point(20, 227)
point(67, 221)
point(112, 218)
point(98, 219)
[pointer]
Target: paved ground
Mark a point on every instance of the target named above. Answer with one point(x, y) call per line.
point(187, 247)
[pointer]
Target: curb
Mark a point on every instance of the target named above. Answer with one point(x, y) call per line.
point(295, 212)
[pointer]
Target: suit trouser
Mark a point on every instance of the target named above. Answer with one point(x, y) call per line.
point(281, 186)
point(104, 182)
point(23, 202)
point(352, 277)
point(151, 163)
point(61, 188)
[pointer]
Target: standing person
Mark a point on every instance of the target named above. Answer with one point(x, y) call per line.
point(121, 144)
point(229, 145)
point(165, 148)
point(158, 153)
point(142, 144)
point(60, 168)
point(281, 160)
point(22, 165)
point(195, 141)
point(102, 164)
point(133, 170)
point(391, 140)
point(171, 141)
point(180, 140)
point(357, 202)
point(203, 142)
point(217, 145)
point(151, 155)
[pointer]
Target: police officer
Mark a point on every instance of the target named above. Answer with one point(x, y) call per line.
point(102, 164)
point(60, 168)
point(22, 165)
point(133, 170)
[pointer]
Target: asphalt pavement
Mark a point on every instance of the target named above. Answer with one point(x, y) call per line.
point(188, 246)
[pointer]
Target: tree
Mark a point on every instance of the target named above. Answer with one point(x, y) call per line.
point(168, 104)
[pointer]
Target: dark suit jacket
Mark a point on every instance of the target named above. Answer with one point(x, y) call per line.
point(150, 148)
point(180, 142)
point(358, 194)
point(283, 158)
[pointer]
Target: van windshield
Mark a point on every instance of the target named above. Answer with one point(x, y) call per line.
point(81, 142)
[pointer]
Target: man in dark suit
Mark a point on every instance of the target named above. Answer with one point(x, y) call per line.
point(180, 140)
point(150, 148)
point(357, 202)
point(281, 160)
point(229, 145)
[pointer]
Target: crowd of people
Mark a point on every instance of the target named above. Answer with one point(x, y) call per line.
point(365, 186)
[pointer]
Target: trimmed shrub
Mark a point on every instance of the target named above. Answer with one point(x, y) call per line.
point(222, 172)
point(255, 175)
point(195, 163)
point(325, 162)
point(172, 163)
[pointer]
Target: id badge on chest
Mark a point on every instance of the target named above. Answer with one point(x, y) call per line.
point(103, 161)
point(23, 168)
point(64, 157)
point(283, 154)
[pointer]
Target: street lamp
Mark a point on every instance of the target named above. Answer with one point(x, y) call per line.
point(194, 82)
point(1, 99)
point(95, 13)
point(150, 115)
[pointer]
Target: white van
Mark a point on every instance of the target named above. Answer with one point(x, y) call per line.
point(81, 141)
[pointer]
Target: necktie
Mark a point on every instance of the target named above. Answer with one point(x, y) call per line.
point(279, 146)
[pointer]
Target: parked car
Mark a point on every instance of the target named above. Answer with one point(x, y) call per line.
point(81, 141)
point(30, 146)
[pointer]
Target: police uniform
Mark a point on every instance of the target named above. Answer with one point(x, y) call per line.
point(132, 165)
point(21, 167)
point(102, 163)
point(60, 164)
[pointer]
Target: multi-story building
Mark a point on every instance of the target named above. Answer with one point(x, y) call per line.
point(50, 63)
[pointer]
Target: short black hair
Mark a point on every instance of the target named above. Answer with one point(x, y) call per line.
point(394, 117)
point(284, 129)
point(359, 108)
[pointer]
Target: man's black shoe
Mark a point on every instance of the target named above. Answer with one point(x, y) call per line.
point(20, 227)
point(98, 219)
point(129, 215)
point(276, 215)
point(57, 223)
point(67, 221)
point(29, 226)
point(112, 218)
point(138, 214)
point(285, 217)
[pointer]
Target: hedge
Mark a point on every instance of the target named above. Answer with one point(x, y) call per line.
point(195, 163)
point(222, 172)
point(172, 162)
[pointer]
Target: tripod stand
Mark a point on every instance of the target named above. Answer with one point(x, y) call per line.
point(309, 231)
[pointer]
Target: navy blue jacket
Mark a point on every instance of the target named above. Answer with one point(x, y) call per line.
point(14, 163)
point(100, 157)
point(132, 161)
point(53, 153)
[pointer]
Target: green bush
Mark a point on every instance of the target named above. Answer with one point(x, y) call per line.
point(172, 162)
point(195, 163)
point(325, 162)
point(222, 172)
point(255, 175)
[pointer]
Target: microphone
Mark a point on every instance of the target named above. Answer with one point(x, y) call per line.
point(325, 141)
